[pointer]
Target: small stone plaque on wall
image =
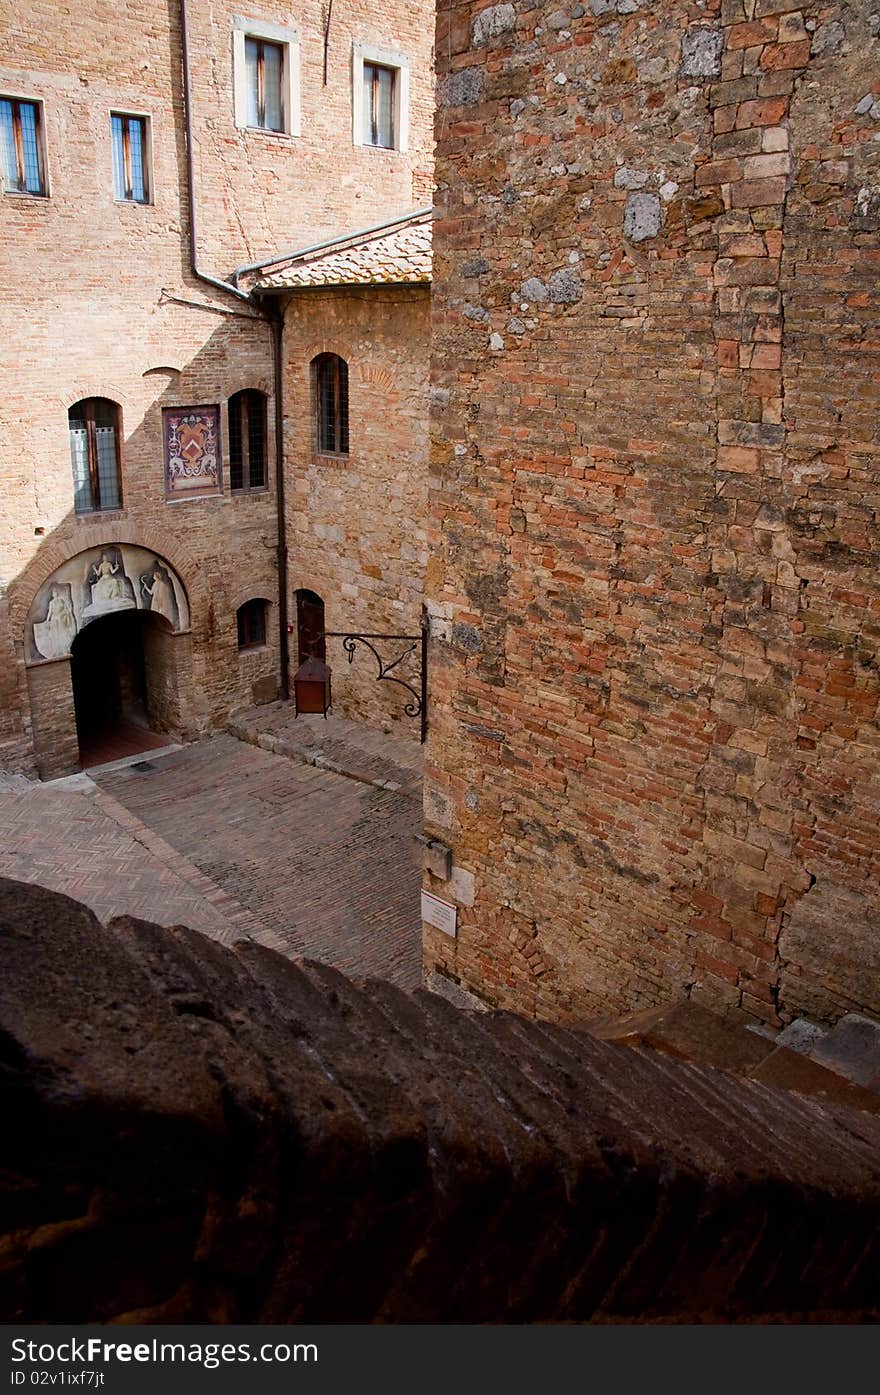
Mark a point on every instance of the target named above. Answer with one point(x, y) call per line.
point(192, 451)
point(441, 914)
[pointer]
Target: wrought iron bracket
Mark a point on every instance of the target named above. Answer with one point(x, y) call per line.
point(418, 703)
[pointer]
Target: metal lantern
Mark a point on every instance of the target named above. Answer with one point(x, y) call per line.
point(311, 687)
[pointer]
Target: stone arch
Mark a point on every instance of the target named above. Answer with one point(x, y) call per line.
point(248, 382)
point(254, 591)
point(98, 387)
point(108, 577)
point(88, 536)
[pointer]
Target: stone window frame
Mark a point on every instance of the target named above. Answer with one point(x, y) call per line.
point(399, 63)
point(39, 106)
point(147, 155)
point(287, 38)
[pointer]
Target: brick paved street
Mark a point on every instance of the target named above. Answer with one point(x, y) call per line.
point(327, 864)
point(233, 839)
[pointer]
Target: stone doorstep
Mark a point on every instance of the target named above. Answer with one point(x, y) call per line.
point(306, 755)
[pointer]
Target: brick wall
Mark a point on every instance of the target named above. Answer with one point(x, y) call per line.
point(86, 301)
point(356, 526)
point(54, 721)
point(281, 1146)
point(654, 741)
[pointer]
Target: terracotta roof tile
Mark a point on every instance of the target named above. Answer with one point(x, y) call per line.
point(401, 254)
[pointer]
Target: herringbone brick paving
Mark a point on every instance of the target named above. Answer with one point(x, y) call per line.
point(328, 865)
point(71, 841)
point(233, 840)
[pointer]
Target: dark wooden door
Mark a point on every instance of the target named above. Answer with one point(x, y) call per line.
point(310, 627)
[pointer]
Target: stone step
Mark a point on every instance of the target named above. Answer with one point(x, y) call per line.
point(789, 1070)
point(852, 1048)
point(692, 1033)
point(801, 1035)
point(841, 1066)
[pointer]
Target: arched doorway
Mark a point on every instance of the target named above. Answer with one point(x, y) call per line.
point(310, 627)
point(116, 692)
point(109, 658)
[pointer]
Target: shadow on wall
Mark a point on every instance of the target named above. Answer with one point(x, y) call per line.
point(143, 578)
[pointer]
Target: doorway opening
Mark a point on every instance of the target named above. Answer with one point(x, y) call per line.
point(115, 689)
point(310, 627)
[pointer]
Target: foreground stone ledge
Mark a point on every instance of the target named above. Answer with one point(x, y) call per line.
point(197, 1133)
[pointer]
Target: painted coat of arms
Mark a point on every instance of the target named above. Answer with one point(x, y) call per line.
point(192, 451)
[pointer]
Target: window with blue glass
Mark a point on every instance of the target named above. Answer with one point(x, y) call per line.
point(128, 135)
point(21, 146)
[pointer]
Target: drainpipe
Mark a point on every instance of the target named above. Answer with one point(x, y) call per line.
point(277, 324)
point(190, 167)
point(275, 321)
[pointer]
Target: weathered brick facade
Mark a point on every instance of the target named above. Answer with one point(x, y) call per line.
point(654, 739)
point(88, 312)
point(357, 527)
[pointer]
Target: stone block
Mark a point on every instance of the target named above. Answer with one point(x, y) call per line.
point(642, 217)
point(701, 50)
point(852, 1048)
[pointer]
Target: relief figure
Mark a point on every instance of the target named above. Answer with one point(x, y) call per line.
point(54, 635)
point(158, 586)
point(109, 587)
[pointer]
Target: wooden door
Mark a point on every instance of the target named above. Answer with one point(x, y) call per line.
point(310, 627)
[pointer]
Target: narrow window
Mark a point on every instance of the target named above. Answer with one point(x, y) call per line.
point(311, 643)
point(21, 146)
point(251, 619)
point(247, 440)
point(264, 70)
point(128, 136)
point(378, 89)
point(331, 385)
point(94, 454)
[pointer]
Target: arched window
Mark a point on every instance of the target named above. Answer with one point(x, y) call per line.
point(251, 618)
point(247, 440)
point(331, 404)
point(310, 627)
point(94, 454)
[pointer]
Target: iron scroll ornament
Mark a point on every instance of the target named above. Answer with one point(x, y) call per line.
point(418, 703)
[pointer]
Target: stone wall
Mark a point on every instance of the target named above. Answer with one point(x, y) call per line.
point(654, 736)
point(89, 299)
point(278, 1144)
point(357, 525)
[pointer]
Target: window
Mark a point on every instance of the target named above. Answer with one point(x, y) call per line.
point(128, 137)
point(247, 440)
point(331, 404)
point(265, 60)
point(381, 98)
point(264, 65)
point(21, 146)
point(378, 127)
point(251, 619)
point(94, 454)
